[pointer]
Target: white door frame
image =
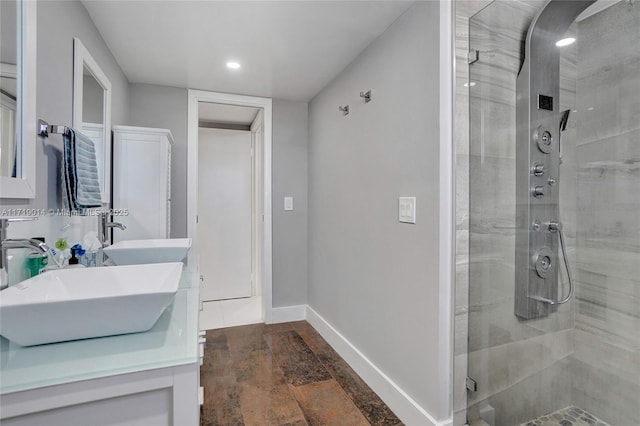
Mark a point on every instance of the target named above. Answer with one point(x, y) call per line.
point(195, 96)
point(257, 189)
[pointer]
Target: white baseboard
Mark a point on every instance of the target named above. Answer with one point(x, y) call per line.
point(288, 313)
point(398, 400)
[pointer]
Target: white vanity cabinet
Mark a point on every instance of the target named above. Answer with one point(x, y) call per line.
point(142, 182)
point(160, 397)
point(140, 379)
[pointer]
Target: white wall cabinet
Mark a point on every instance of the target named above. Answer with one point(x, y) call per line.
point(142, 182)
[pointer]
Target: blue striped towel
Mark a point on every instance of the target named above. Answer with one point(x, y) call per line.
point(80, 181)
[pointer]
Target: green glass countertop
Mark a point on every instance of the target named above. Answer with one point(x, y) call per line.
point(172, 341)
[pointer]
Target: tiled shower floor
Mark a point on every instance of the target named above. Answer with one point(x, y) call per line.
point(568, 416)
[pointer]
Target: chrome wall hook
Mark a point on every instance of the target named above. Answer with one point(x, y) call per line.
point(366, 95)
point(45, 129)
point(344, 109)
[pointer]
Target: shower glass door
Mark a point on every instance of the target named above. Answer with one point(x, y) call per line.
point(579, 362)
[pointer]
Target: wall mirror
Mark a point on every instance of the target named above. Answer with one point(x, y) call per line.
point(92, 110)
point(17, 99)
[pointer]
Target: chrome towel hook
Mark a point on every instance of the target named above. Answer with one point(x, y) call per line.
point(344, 109)
point(366, 95)
point(45, 129)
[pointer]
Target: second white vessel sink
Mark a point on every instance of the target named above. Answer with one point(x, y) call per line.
point(71, 304)
point(136, 252)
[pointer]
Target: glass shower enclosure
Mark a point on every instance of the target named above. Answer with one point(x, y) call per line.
point(554, 213)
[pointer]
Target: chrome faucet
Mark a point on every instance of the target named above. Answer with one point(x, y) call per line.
point(104, 225)
point(8, 243)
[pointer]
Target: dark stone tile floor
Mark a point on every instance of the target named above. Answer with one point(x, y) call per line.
point(568, 416)
point(283, 375)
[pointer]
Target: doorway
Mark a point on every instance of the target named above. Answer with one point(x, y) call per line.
point(225, 213)
point(229, 208)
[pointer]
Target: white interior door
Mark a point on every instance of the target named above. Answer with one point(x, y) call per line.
point(224, 213)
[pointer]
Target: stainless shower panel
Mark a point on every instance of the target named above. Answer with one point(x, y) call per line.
point(538, 160)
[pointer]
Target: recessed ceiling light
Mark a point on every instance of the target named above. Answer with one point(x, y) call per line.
point(565, 42)
point(233, 65)
point(471, 84)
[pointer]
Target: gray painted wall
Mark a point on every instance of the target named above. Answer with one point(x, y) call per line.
point(8, 51)
point(374, 279)
point(290, 173)
point(166, 108)
point(58, 23)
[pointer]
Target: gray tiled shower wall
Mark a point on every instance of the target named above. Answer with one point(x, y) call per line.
point(605, 366)
point(587, 354)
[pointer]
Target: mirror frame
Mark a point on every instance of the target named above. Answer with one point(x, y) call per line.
point(82, 58)
point(24, 186)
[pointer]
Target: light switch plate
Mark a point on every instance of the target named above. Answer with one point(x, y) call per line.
point(407, 209)
point(288, 204)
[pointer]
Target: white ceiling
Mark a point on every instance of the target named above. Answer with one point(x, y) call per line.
point(287, 49)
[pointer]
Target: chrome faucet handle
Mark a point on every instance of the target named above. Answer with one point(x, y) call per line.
point(118, 225)
point(104, 225)
point(14, 243)
point(22, 242)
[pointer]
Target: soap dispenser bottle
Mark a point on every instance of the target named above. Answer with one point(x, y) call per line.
point(73, 262)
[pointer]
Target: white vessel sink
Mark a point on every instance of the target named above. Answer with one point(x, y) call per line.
point(136, 252)
point(71, 304)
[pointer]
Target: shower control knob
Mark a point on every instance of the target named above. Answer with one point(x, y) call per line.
point(537, 169)
point(543, 262)
point(537, 191)
point(552, 181)
point(544, 140)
